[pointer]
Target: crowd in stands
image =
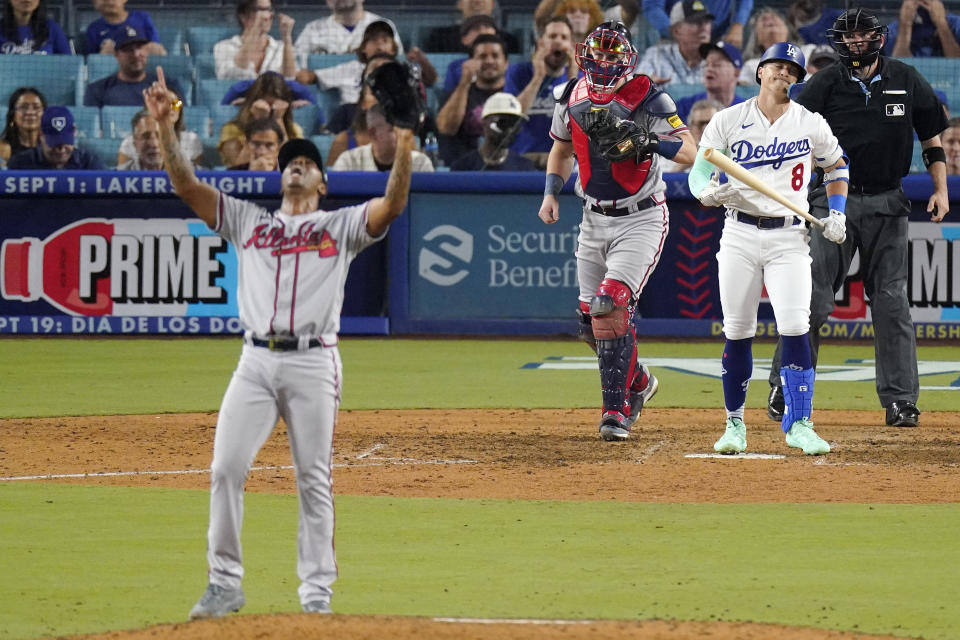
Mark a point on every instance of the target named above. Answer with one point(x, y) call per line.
point(490, 88)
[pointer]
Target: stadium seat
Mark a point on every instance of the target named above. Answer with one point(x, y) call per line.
point(87, 120)
point(211, 91)
point(323, 142)
point(104, 148)
point(324, 60)
point(327, 99)
point(679, 90)
point(205, 66)
point(220, 115)
point(116, 120)
point(310, 118)
point(441, 61)
point(200, 39)
point(941, 73)
point(197, 119)
point(60, 78)
point(745, 91)
point(3, 116)
point(415, 24)
point(172, 39)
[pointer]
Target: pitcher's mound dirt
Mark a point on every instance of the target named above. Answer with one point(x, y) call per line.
point(535, 454)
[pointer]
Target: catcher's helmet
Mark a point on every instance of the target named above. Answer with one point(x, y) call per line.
point(860, 52)
point(605, 56)
point(784, 52)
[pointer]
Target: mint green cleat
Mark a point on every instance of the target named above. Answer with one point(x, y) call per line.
point(734, 439)
point(802, 436)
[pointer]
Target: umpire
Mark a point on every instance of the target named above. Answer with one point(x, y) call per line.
point(873, 105)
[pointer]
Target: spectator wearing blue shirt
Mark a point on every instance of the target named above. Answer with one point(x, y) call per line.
point(721, 69)
point(25, 28)
point(811, 20)
point(57, 148)
point(104, 33)
point(533, 82)
point(125, 87)
point(729, 16)
point(924, 30)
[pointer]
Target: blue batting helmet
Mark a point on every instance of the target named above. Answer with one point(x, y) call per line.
point(784, 52)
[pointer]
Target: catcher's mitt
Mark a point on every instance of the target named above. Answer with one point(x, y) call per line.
point(398, 89)
point(618, 140)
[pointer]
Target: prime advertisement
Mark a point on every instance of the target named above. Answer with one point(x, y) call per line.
point(138, 265)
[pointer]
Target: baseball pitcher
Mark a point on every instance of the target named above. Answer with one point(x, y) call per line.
point(763, 243)
point(293, 266)
point(618, 126)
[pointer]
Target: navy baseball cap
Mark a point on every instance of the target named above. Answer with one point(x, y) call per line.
point(727, 49)
point(57, 126)
point(131, 36)
point(296, 147)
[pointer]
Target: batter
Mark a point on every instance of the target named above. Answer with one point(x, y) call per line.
point(763, 243)
point(292, 268)
point(618, 126)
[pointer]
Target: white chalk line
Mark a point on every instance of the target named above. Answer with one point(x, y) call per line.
point(119, 474)
point(372, 449)
point(511, 621)
point(738, 456)
point(650, 451)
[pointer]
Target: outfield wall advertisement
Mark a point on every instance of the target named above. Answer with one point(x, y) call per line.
point(90, 253)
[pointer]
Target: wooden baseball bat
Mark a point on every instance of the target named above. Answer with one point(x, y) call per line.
point(731, 168)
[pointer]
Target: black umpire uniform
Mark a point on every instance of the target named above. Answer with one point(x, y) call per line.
point(874, 120)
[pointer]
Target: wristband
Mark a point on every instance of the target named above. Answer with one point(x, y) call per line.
point(933, 154)
point(669, 148)
point(553, 185)
point(837, 202)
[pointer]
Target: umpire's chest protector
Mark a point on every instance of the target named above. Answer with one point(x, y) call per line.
point(600, 178)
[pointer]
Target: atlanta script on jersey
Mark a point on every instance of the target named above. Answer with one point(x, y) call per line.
point(781, 154)
point(292, 268)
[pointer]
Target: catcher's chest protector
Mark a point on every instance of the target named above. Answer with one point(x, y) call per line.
point(600, 178)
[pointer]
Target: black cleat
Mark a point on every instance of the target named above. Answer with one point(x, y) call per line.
point(775, 404)
point(902, 413)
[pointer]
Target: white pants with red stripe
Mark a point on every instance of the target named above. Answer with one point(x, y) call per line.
point(625, 248)
point(302, 387)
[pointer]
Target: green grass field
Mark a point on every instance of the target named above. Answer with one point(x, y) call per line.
point(45, 377)
point(87, 559)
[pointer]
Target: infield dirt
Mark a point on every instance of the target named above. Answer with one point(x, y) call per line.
point(516, 454)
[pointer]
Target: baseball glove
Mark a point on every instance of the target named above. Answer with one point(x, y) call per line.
point(398, 89)
point(618, 140)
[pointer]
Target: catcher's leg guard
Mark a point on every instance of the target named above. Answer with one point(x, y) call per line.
point(612, 311)
point(584, 328)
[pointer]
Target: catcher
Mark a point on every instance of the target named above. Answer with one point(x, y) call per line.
point(618, 126)
point(293, 267)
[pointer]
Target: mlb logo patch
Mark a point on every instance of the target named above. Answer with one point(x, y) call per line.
point(895, 111)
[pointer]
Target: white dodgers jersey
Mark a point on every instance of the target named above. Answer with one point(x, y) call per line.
point(781, 154)
point(292, 269)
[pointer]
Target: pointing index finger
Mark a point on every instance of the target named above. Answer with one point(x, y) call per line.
point(160, 78)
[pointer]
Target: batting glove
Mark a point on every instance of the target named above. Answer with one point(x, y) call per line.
point(835, 227)
point(713, 194)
